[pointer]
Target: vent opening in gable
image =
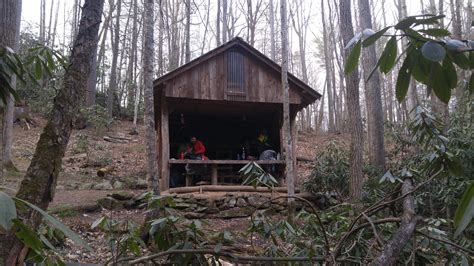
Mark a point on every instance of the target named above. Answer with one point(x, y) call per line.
point(235, 76)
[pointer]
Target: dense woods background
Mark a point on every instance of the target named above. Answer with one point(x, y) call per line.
point(403, 133)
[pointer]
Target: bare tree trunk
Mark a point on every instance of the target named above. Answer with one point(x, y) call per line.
point(187, 32)
point(39, 184)
point(329, 70)
point(353, 107)
point(161, 27)
point(132, 86)
point(55, 23)
point(218, 23)
point(224, 21)
point(288, 142)
point(272, 31)
point(113, 71)
point(42, 29)
point(10, 17)
point(373, 96)
point(150, 133)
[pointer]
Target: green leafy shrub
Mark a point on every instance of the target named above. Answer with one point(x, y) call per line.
point(96, 116)
point(82, 144)
point(330, 171)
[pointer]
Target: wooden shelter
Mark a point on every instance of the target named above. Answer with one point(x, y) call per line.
point(224, 98)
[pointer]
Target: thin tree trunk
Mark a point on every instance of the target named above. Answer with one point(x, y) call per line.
point(218, 23)
point(113, 72)
point(288, 142)
point(39, 184)
point(150, 134)
point(42, 29)
point(329, 70)
point(187, 33)
point(10, 17)
point(161, 33)
point(224, 21)
point(272, 31)
point(132, 86)
point(373, 96)
point(353, 108)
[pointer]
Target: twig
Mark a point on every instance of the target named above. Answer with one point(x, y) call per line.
point(377, 237)
point(338, 248)
point(470, 252)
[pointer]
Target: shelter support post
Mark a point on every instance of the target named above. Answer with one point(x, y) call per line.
point(165, 144)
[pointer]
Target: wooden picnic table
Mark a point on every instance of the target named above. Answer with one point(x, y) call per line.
point(215, 163)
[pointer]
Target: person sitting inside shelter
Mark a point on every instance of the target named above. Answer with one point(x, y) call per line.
point(195, 151)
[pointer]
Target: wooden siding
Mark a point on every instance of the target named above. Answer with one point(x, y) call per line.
point(208, 81)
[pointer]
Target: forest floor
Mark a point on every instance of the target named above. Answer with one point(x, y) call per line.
point(80, 185)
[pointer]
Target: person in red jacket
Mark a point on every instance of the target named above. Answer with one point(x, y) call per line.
point(195, 150)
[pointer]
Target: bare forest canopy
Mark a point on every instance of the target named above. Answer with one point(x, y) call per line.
point(311, 25)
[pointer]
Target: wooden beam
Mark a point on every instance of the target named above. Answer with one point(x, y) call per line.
point(222, 188)
point(165, 144)
point(214, 174)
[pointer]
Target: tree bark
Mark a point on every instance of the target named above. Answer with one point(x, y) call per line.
point(287, 140)
point(392, 249)
point(131, 84)
point(187, 32)
point(329, 70)
point(272, 30)
point(10, 18)
point(353, 108)
point(224, 21)
point(39, 184)
point(373, 96)
point(218, 23)
point(113, 69)
point(150, 133)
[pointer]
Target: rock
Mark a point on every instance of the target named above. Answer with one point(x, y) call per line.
point(138, 184)
point(256, 201)
point(86, 186)
point(241, 202)
point(118, 185)
point(122, 195)
point(202, 209)
point(237, 212)
point(232, 203)
point(110, 203)
point(194, 215)
point(211, 210)
point(104, 185)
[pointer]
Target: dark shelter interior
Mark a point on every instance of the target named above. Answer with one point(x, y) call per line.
point(227, 132)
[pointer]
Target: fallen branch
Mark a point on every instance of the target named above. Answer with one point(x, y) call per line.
point(392, 250)
point(304, 159)
point(115, 140)
point(470, 252)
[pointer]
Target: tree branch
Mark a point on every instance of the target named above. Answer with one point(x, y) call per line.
point(470, 252)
